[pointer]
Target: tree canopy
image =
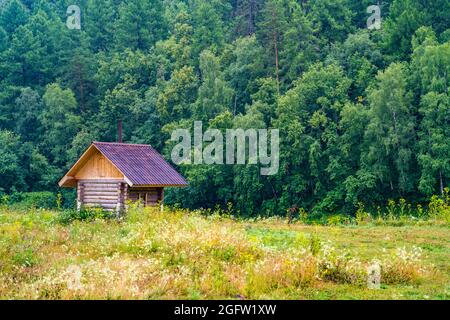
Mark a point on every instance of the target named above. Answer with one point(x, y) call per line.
point(364, 115)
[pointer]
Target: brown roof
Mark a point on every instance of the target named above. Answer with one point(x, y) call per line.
point(139, 163)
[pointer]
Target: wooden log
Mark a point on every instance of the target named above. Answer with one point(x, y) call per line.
point(102, 181)
point(90, 197)
point(100, 201)
point(101, 191)
point(107, 195)
point(125, 196)
point(94, 183)
point(97, 204)
point(99, 194)
point(118, 201)
point(101, 187)
point(105, 205)
point(97, 198)
point(79, 196)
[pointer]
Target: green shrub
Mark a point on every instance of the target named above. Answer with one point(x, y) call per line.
point(24, 257)
point(44, 200)
point(404, 267)
point(439, 207)
point(337, 220)
point(86, 214)
point(362, 217)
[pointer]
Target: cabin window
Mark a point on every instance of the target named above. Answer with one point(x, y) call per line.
point(147, 197)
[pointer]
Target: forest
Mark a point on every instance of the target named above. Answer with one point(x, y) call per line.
point(363, 114)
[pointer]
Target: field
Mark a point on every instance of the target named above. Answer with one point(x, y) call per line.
point(186, 255)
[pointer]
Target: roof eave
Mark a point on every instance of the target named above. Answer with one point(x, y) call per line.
point(160, 185)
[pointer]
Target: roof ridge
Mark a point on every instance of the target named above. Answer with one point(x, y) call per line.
point(121, 143)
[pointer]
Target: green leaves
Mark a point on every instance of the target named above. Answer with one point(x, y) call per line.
point(140, 24)
point(390, 132)
point(363, 116)
point(60, 122)
point(214, 95)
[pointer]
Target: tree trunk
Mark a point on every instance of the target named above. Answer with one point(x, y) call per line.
point(441, 183)
point(275, 44)
point(80, 85)
point(250, 25)
point(235, 105)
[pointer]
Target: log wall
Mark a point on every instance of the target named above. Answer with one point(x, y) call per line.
point(113, 195)
point(106, 194)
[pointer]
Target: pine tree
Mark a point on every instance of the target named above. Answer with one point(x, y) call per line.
point(140, 24)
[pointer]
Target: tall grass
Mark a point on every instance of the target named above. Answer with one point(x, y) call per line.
point(175, 254)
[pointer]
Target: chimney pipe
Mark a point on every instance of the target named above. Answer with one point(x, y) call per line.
point(119, 130)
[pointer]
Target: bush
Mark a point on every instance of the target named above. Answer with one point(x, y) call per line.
point(340, 267)
point(404, 267)
point(439, 207)
point(86, 214)
point(337, 220)
point(281, 270)
point(25, 200)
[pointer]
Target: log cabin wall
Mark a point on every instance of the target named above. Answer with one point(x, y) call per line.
point(113, 195)
point(107, 194)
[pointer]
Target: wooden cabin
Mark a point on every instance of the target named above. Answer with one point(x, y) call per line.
point(108, 175)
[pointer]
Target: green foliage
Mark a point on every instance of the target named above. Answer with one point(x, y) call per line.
point(45, 200)
point(140, 24)
point(390, 132)
point(9, 161)
point(86, 214)
point(181, 254)
point(363, 114)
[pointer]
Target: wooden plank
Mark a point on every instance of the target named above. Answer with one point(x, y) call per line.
point(111, 197)
point(100, 194)
point(118, 201)
point(144, 190)
point(103, 188)
point(100, 191)
point(98, 167)
point(114, 198)
point(153, 199)
point(112, 191)
point(100, 185)
point(125, 196)
point(107, 194)
point(100, 201)
point(102, 181)
point(104, 205)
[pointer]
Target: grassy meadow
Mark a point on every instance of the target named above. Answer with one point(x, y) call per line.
point(188, 255)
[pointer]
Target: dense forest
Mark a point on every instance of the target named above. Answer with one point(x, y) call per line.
point(364, 115)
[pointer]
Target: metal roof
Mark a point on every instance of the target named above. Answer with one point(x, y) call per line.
point(141, 164)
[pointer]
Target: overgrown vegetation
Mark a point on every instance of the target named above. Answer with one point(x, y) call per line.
point(180, 254)
point(400, 213)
